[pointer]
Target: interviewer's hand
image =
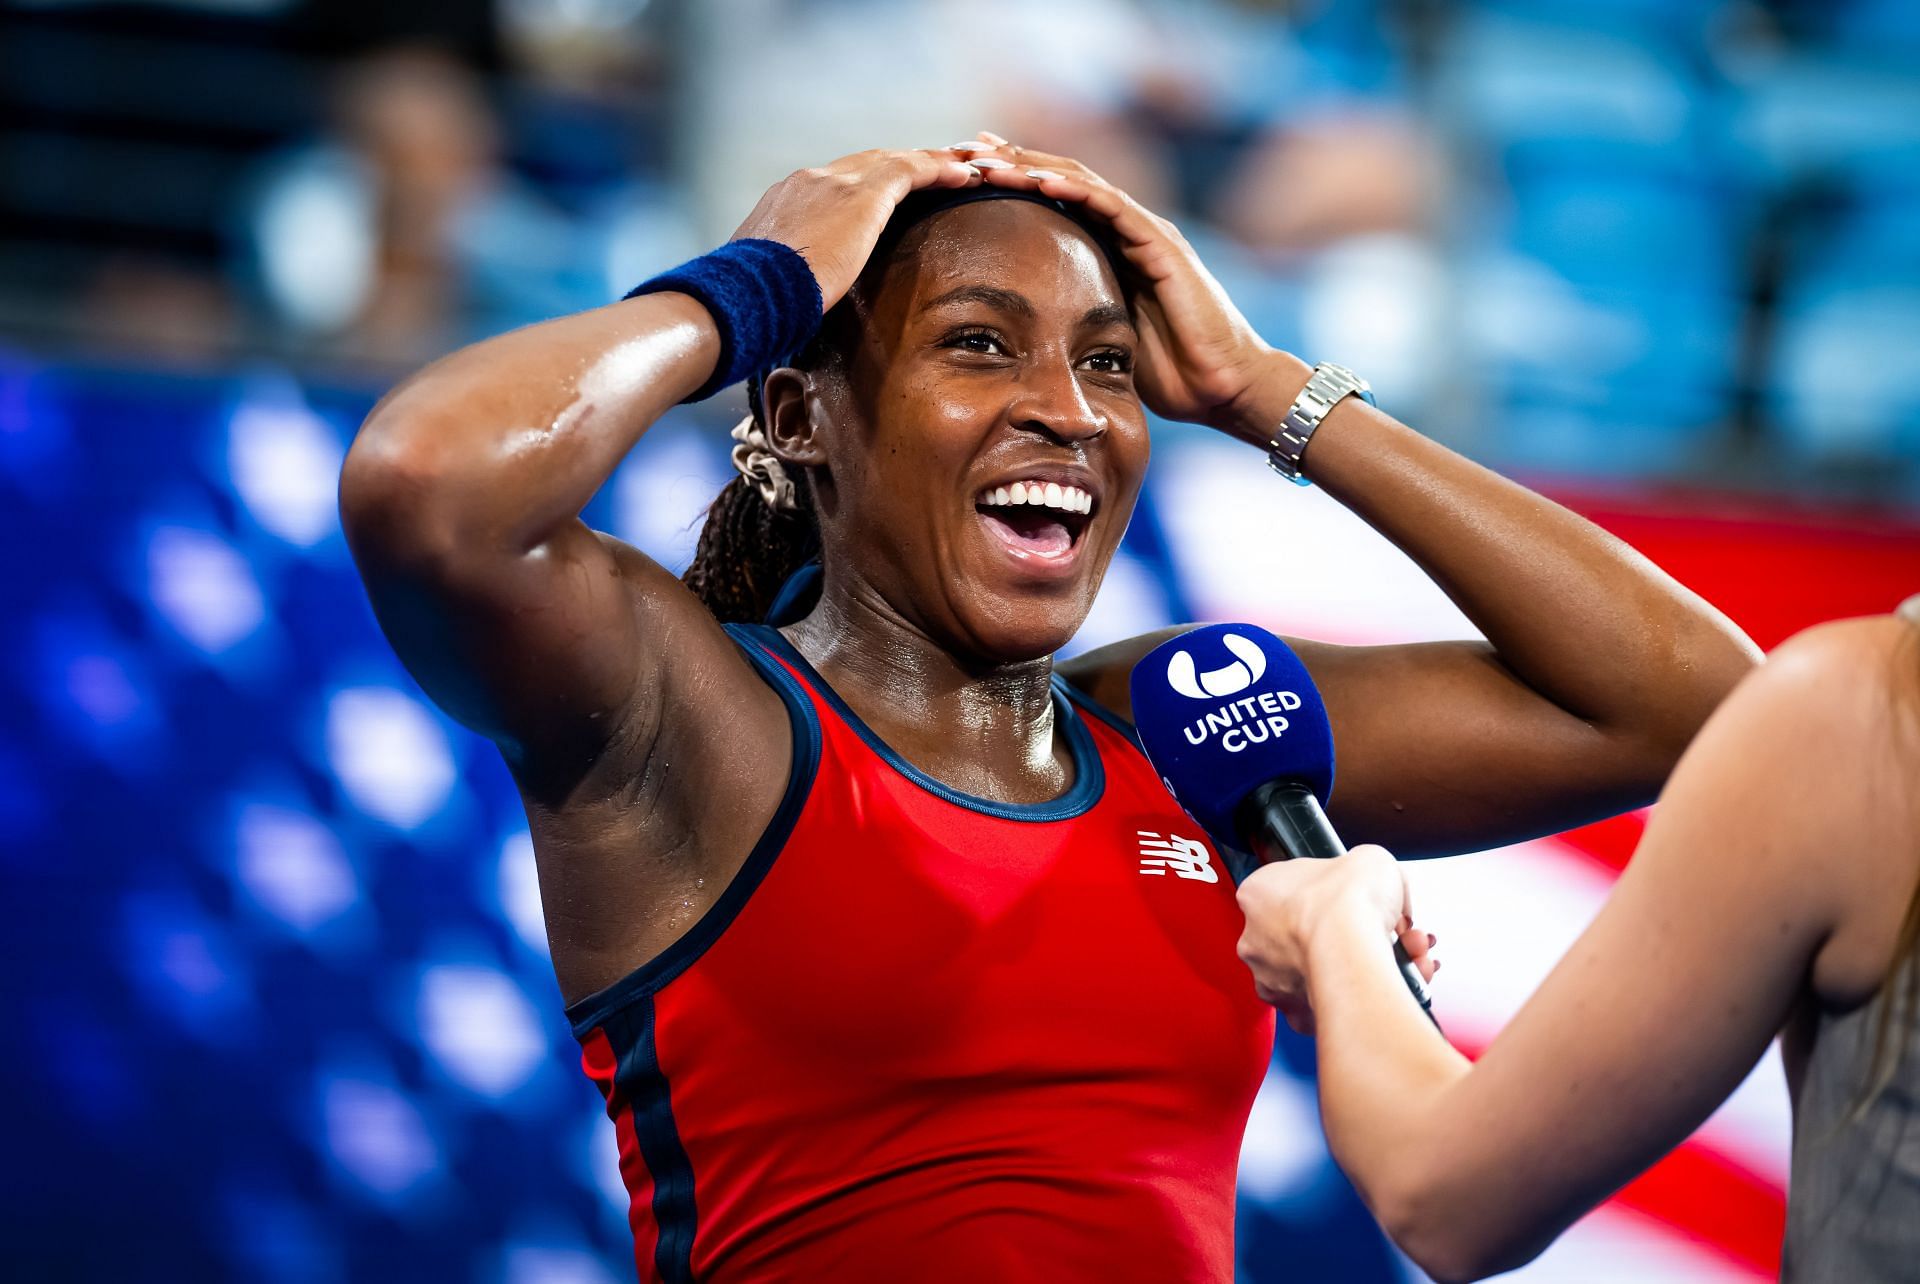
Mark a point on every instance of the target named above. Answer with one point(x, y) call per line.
point(1198, 355)
point(833, 214)
point(1296, 907)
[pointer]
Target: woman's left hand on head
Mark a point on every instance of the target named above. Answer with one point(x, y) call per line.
point(1198, 355)
point(1288, 903)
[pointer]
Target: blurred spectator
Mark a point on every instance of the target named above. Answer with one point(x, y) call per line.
point(158, 309)
point(1631, 239)
point(403, 233)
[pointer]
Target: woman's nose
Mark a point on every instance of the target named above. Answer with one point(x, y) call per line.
point(1051, 401)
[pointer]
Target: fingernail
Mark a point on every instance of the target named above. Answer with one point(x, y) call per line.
point(969, 147)
point(1043, 174)
point(1432, 940)
point(989, 162)
point(993, 138)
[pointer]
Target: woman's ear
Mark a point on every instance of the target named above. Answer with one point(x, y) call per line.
point(788, 400)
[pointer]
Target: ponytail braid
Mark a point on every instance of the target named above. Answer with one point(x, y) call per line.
point(748, 548)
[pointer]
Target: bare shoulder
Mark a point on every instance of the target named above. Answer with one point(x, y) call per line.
point(1847, 682)
point(1825, 700)
point(1841, 647)
point(1843, 701)
point(1798, 787)
point(704, 681)
point(634, 848)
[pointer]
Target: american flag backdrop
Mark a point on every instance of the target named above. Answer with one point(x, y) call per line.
point(277, 995)
point(1714, 1209)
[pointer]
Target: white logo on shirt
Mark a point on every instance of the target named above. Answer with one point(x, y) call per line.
point(1184, 856)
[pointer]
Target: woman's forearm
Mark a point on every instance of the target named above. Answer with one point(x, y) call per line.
point(1382, 1065)
point(1386, 1078)
point(1572, 611)
point(505, 440)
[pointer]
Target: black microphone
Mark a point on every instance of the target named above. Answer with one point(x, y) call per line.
point(1283, 820)
point(1245, 748)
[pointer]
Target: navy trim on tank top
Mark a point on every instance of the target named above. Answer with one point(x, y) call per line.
point(1089, 776)
point(1106, 715)
point(641, 1081)
point(646, 979)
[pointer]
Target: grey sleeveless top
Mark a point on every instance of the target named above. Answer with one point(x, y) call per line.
point(1853, 1203)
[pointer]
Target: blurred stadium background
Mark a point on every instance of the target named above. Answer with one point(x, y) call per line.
point(277, 1003)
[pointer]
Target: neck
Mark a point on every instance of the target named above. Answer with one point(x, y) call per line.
point(984, 728)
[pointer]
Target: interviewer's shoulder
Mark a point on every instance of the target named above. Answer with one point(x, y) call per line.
point(1864, 659)
point(1828, 697)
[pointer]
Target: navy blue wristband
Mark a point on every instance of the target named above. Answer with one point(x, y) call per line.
point(764, 300)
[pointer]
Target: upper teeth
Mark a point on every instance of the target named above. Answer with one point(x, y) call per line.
point(1068, 499)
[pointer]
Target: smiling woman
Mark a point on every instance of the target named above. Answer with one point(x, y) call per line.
point(928, 287)
point(860, 907)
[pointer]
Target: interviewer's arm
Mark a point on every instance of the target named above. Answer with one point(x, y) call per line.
point(1785, 831)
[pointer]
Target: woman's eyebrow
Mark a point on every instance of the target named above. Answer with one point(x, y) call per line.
point(993, 296)
point(1012, 301)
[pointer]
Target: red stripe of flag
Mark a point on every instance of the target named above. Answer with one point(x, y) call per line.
point(1714, 1202)
point(1700, 1192)
point(1609, 842)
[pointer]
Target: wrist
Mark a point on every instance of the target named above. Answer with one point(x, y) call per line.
point(1289, 434)
point(696, 338)
point(1349, 924)
point(1263, 403)
point(762, 297)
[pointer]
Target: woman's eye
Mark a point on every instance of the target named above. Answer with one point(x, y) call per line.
point(984, 341)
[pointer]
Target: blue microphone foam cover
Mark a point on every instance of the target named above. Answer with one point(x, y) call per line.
point(1224, 709)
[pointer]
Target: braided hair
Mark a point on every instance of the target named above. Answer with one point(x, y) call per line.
point(748, 548)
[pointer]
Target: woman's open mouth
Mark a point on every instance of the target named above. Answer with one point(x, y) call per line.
point(1037, 520)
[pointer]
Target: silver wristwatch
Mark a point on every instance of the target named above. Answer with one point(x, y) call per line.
point(1323, 392)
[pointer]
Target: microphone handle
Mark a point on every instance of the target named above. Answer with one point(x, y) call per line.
point(1283, 820)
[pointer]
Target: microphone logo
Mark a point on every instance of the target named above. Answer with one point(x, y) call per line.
point(1249, 664)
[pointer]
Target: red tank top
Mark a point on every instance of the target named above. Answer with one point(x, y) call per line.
point(925, 1036)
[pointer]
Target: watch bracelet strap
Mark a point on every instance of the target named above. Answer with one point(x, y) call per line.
point(1326, 388)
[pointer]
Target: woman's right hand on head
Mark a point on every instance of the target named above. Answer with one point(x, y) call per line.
point(833, 214)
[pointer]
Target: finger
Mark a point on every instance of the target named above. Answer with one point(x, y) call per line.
point(988, 136)
point(1133, 225)
point(912, 168)
point(989, 166)
point(947, 170)
point(1419, 949)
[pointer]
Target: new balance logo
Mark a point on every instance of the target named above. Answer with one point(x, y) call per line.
point(1182, 856)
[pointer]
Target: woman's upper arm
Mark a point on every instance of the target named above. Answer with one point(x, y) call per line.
point(1438, 747)
point(1442, 749)
point(552, 651)
point(1756, 854)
